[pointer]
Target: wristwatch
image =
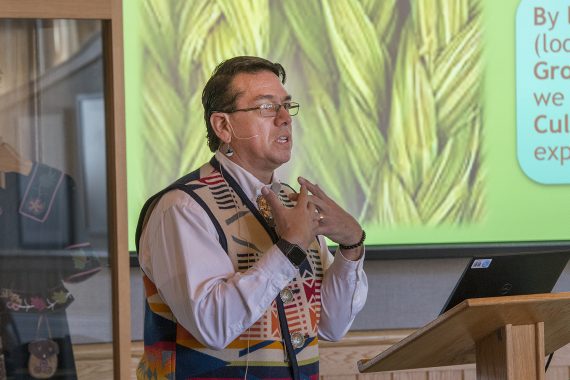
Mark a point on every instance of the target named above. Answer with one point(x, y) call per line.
point(293, 252)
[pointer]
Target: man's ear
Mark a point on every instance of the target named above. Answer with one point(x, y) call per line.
point(221, 126)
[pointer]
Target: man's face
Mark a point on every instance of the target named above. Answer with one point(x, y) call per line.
point(261, 144)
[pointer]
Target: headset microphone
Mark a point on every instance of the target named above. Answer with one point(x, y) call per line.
point(241, 138)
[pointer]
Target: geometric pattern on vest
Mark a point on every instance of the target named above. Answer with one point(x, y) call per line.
point(170, 350)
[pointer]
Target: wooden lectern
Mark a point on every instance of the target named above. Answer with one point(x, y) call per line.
point(507, 338)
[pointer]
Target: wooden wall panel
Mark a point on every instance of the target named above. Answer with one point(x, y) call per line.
point(371, 376)
point(445, 375)
point(77, 9)
point(338, 361)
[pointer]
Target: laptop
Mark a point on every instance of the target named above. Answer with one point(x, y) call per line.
point(507, 275)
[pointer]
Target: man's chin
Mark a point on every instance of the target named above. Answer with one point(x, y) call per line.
point(286, 159)
point(280, 161)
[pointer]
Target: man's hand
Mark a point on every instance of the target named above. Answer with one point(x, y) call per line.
point(297, 225)
point(334, 222)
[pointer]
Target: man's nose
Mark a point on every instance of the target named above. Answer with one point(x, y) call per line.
point(283, 117)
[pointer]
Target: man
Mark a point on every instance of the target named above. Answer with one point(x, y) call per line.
point(238, 278)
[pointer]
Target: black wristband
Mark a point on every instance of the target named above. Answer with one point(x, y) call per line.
point(293, 252)
point(360, 242)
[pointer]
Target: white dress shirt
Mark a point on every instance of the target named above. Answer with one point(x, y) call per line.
point(181, 255)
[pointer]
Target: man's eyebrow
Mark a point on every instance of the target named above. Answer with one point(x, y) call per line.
point(270, 97)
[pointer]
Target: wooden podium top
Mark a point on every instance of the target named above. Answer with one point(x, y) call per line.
point(450, 339)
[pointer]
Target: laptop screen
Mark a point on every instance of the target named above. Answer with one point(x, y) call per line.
point(506, 275)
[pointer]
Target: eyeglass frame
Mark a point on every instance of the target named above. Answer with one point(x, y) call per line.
point(260, 107)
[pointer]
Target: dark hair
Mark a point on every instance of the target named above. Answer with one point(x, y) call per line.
point(218, 94)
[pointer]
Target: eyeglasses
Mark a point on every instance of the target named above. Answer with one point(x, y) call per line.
point(271, 109)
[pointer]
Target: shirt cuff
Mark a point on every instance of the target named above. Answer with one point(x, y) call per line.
point(277, 267)
point(348, 269)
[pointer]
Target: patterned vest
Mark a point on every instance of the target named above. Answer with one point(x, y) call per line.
point(171, 352)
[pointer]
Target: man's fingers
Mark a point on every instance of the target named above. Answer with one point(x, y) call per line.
point(303, 196)
point(311, 198)
point(313, 188)
point(312, 208)
point(292, 196)
point(271, 198)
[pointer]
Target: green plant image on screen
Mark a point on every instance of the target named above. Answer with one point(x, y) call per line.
point(394, 121)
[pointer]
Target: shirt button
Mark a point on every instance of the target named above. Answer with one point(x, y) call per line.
point(297, 339)
point(286, 295)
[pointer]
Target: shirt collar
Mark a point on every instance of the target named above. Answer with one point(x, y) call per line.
point(250, 185)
